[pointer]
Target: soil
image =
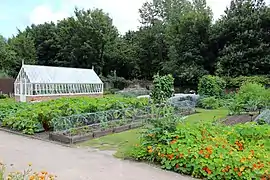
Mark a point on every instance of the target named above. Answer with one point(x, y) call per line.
point(232, 120)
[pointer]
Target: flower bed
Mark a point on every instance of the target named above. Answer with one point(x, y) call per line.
point(208, 151)
point(27, 174)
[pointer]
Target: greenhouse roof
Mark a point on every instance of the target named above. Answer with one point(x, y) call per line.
point(57, 75)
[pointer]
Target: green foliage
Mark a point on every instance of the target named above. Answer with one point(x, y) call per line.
point(251, 97)
point(3, 74)
point(175, 37)
point(239, 81)
point(117, 82)
point(210, 103)
point(211, 86)
point(187, 33)
point(207, 151)
point(9, 107)
point(30, 117)
point(241, 37)
point(163, 88)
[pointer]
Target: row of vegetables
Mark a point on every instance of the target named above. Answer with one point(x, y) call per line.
point(35, 117)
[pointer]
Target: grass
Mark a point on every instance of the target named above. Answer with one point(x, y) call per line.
point(207, 115)
point(120, 142)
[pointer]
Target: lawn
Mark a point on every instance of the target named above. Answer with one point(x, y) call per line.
point(121, 141)
point(117, 142)
point(207, 115)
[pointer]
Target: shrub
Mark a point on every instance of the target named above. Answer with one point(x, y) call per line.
point(251, 97)
point(3, 96)
point(117, 82)
point(210, 103)
point(207, 151)
point(163, 88)
point(211, 86)
point(239, 81)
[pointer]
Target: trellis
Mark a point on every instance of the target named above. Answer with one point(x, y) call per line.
point(128, 114)
point(80, 120)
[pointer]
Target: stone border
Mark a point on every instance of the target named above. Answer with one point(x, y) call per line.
point(31, 136)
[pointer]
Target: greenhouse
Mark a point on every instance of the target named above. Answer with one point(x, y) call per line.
point(36, 82)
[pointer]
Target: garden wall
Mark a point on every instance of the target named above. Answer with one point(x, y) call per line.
point(6, 85)
point(46, 98)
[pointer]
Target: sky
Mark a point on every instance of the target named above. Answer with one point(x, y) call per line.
point(21, 13)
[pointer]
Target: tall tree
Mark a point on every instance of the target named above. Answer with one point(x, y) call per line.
point(8, 58)
point(242, 36)
point(44, 36)
point(24, 47)
point(187, 31)
point(150, 40)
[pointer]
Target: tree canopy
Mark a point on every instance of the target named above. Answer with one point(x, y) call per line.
point(178, 37)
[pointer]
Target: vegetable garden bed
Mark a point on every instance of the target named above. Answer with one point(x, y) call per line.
point(71, 138)
point(78, 128)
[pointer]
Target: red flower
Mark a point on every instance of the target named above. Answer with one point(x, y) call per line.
point(207, 170)
point(177, 166)
point(170, 156)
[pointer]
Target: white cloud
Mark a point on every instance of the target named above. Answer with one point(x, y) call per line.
point(44, 13)
point(218, 7)
point(123, 12)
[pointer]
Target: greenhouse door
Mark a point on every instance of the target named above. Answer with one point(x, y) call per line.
point(22, 92)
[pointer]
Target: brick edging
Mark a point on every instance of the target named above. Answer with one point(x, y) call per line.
point(32, 137)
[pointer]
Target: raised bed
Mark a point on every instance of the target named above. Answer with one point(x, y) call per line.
point(78, 128)
point(70, 139)
point(66, 138)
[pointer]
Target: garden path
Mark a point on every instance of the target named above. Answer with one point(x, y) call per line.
point(74, 163)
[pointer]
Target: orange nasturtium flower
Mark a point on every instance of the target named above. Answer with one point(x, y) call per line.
point(170, 156)
point(207, 170)
point(173, 141)
point(201, 152)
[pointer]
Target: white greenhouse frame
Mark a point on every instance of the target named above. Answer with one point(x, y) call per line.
point(40, 81)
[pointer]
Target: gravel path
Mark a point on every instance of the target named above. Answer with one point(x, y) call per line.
point(74, 163)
